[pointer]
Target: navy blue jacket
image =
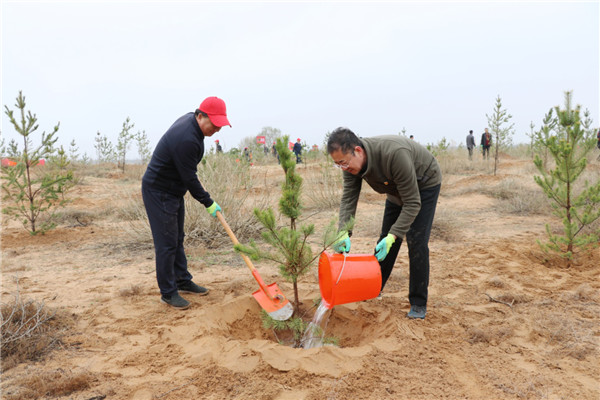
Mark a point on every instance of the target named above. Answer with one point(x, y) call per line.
point(174, 164)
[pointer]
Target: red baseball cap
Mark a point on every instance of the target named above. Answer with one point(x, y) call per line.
point(215, 108)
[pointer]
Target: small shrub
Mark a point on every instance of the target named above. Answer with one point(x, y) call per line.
point(446, 226)
point(496, 282)
point(46, 384)
point(229, 184)
point(133, 290)
point(325, 189)
point(29, 330)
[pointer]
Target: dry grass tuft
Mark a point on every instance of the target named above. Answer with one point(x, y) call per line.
point(133, 290)
point(567, 335)
point(324, 188)
point(46, 384)
point(491, 335)
point(230, 185)
point(446, 226)
point(30, 330)
point(496, 282)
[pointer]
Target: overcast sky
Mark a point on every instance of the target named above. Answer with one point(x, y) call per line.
point(433, 68)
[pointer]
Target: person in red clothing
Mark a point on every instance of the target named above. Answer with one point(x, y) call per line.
point(171, 173)
point(298, 151)
point(486, 143)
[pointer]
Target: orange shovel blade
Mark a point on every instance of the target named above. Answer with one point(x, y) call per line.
point(274, 303)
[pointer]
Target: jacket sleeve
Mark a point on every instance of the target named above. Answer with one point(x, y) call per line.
point(402, 171)
point(349, 202)
point(185, 156)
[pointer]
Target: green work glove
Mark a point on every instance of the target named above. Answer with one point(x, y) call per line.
point(383, 247)
point(343, 243)
point(212, 210)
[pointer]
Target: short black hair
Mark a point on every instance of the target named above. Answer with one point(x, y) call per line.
point(199, 112)
point(471, 131)
point(342, 139)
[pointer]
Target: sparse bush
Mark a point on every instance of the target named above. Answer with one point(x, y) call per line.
point(58, 382)
point(446, 226)
point(230, 184)
point(572, 337)
point(496, 282)
point(29, 330)
point(325, 189)
point(133, 290)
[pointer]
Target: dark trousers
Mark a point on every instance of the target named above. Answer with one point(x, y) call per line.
point(486, 152)
point(166, 214)
point(417, 239)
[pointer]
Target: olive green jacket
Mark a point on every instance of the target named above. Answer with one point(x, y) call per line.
point(398, 167)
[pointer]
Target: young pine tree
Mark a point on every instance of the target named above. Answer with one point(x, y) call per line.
point(501, 128)
point(123, 142)
point(30, 190)
point(569, 140)
point(104, 149)
point(143, 146)
point(292, 252)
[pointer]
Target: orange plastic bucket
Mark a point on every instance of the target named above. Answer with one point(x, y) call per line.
point(348, 278)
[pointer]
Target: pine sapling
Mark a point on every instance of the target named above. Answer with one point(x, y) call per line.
point(569, 140)
point(31, 190)
point(292, 251)
point(501, 128)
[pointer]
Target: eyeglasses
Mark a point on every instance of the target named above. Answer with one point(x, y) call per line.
point(342, 164)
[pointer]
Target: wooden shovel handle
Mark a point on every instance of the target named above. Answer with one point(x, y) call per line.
point(255, 274)
point(234, 239)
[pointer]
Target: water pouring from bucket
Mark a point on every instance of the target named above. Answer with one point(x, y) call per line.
point(343, 278)
point(347, 278)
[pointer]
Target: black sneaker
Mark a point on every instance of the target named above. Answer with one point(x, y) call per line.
point(191, 287)
point(417, 312)
point(175, 301)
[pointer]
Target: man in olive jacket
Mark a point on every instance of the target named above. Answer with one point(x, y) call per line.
point(411, 178)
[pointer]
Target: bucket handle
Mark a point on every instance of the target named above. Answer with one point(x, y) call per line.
point(342, 271)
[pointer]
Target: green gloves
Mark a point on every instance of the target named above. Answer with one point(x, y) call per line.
point(383, 247)
point(342, 245)
point(212, 210)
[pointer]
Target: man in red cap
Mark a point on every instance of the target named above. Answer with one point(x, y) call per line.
point(219, 148)
point(171, 173)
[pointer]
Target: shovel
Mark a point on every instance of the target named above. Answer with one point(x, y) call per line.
point(270, 298)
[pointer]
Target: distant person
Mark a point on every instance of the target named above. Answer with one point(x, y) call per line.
point(486, 143)
point(411, 178)
point(219, 148)
point(470, 144)
point(598, 144)
point(274, 151)
point(247, 154)
point(265, 149)
point(297, 149)
point(171, 173)
point(412, 137)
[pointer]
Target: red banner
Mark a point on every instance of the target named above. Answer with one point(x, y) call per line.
point(261, 140)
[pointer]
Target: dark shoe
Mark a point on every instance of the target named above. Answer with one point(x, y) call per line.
point(191, 287)
point(417, 312)
point(175, 301)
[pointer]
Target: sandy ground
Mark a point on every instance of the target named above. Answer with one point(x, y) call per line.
point(504, 321)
